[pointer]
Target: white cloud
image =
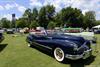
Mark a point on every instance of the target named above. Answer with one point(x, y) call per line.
point(1, 7)
point(85, 10)
point(9, 6)
point(88, 5)
point(35, 3)
point(84, 5)
point(6, 7)
point(21, 9)
point(8, 16)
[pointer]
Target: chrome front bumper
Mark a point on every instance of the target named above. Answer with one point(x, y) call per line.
point(85, 55)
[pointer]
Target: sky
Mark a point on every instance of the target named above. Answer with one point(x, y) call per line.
point(8, 7)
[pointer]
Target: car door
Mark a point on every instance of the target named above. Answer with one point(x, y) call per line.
point(44, 41)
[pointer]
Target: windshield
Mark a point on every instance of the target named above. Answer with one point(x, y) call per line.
point(55, 32)
point(47, 32)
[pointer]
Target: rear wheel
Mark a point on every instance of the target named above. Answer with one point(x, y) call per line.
point(59, 54)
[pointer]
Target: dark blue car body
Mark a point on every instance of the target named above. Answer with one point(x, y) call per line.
point(1, 37)
point(74, 47)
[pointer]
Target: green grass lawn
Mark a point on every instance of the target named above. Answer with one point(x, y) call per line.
point(14, 52)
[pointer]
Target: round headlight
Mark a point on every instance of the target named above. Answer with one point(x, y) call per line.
point(75, 47)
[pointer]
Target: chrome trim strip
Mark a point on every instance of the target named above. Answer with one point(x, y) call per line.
point(81, 46)
point(42, 45)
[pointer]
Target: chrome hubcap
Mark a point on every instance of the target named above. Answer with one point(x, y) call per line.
point(59, 54)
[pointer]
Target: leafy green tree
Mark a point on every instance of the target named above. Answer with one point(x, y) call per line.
point(50, 11)
point(72, 17)
point(67, 17)
point(5, 23)
point(13, 23)
point(46, 14)
point(27, 12)
point(34, 24)
point(97, 22)
point(28, 16)
point(58, 20)
point(89, 19)
point(21, 23)
point(43, 22)
point(35, 14)
point(51, 25)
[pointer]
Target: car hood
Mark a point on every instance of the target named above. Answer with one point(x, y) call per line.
point(76, 39)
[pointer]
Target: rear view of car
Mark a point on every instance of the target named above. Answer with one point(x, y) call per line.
point(10, 31)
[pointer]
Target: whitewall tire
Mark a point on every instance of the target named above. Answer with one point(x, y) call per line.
point(59, 54)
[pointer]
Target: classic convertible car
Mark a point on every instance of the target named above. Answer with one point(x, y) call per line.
point(62, 45)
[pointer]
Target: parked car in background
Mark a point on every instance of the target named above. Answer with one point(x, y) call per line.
point(10, 31)
point(26, 30)
point(38, 30)
point(2, 31)
point(97, 31)
point(61, 45)
point(79, 32)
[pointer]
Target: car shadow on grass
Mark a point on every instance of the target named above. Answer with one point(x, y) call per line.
point(2, 47)
point(80, 62)
point(72, 63)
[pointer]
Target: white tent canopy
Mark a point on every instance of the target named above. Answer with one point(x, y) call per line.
point(98, 26)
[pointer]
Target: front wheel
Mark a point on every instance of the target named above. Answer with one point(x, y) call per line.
point(59, 54)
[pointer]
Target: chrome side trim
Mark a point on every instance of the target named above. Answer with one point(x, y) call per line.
point(42, 45)
point(81, 46)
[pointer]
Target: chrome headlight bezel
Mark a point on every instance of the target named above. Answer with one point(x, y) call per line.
point(75, 47)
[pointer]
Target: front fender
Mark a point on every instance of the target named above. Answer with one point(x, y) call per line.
point(65, 45)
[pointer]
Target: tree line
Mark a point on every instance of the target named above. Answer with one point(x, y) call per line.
point(47, 17)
